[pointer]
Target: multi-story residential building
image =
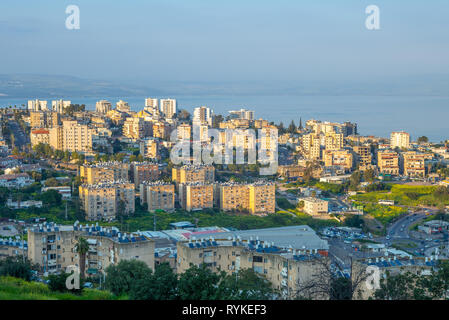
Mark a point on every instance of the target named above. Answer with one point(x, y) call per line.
point(258, 198)
point(193, 173)
point(184, 132)
point(202, 115)
point(413, 164)
point(363, 156)
point(315, 206)
point(123, 106)
point(72, 136)
point(40, 136)
point(37, 105)
point(242, 114)
point(116, 116)
point(288, 257)
point(149, 148)
point(262, 198)
point(102, 201)
point(320, 127)
point(196, 196)
point(52, 247)
point(151, 103)
point(17, 181)
point(12, 248)
point(161, 130)
point(400, 140)
point(44, 119)
point(168, 107)
point(60, 105)
point(158, 195)
point(136, 128)
point(388, 162)
point(311, 146)
point(291, 171)
point(104, 171)
point(144, 171)
point(333, 141)
point(103, 106)
point(341, 158)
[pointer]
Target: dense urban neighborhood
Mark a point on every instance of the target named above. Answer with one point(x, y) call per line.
point(98, 192)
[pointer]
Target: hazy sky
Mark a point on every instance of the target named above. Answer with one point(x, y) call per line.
point(232, 40)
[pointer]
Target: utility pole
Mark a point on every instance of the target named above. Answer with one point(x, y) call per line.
point(154, 220)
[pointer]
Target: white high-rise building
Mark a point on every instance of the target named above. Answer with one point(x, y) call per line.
point(152, 103)
point(400, 140)
point(103, 106)
point(168, 107)
point(60, 105)
point(202, 115)
point(242, 114)
point(37, 105)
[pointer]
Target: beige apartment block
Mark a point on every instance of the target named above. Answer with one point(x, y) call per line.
point(315, 206)
point(196, 196)
point(104, 171)
point(101, 201)
point(44, 119)
point(311, 146)
point(39, 136)
point(414, 164)
point(333, 141)
point(363, 156)
point(400, 140)
point(388, 162)
point(262, 199)
point(72, 136)
point(145, 171)
point(287, 270)
point(158, 195)
point(103, 106)
point(193, 173)
point(136, 128)
point(149, 148)
point(52, 247)
point(342, 158)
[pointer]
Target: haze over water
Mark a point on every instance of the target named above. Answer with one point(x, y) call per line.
point(375, 115)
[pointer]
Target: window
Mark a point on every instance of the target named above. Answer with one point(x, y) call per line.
point(257, 259)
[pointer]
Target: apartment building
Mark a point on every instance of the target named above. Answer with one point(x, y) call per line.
point(168, 107)
point(161, 130)
point(333, 141)
point(311, 146)
point(39, 136)
point(315, 206)
point(184, 132)
point(341, 158)
point(158, 195)
point(202, 115)
point(122, 106)
point(149, 148)
point(262, 198)
point(102, 201)
point(60, 105)
point(388, 162)
point(242, 114)
point(291, 171)
point(144, 171)
point(37, 105)
point(52, 247)
point(104, 171)
point(363, 156)
point(400, 139)
point(193, 173)
point(196, 196)
point(72, 136)
point(44, 119)
point(103, 106)
point(287, 257)
point(151, 103)
point(12, 248)
point(413, 164)
point(136, 128)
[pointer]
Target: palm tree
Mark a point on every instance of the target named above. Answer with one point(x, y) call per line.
point(82, 247)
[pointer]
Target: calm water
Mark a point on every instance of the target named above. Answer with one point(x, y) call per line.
point(375, 115)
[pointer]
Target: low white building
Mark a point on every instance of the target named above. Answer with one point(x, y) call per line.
point(16, 181)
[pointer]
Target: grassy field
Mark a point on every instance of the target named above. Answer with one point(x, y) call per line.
point(403, 195)
point(383, 214)
point(18, 289)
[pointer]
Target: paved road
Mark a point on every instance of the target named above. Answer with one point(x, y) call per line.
point(20, 139)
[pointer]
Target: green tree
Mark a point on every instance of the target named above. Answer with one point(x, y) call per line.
point(161, 285)
point(200, 283)
point(247, 285)
point(57, 282)
point(423, 139)
point(82, 247)
point(17, 266)
point(121, 277)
